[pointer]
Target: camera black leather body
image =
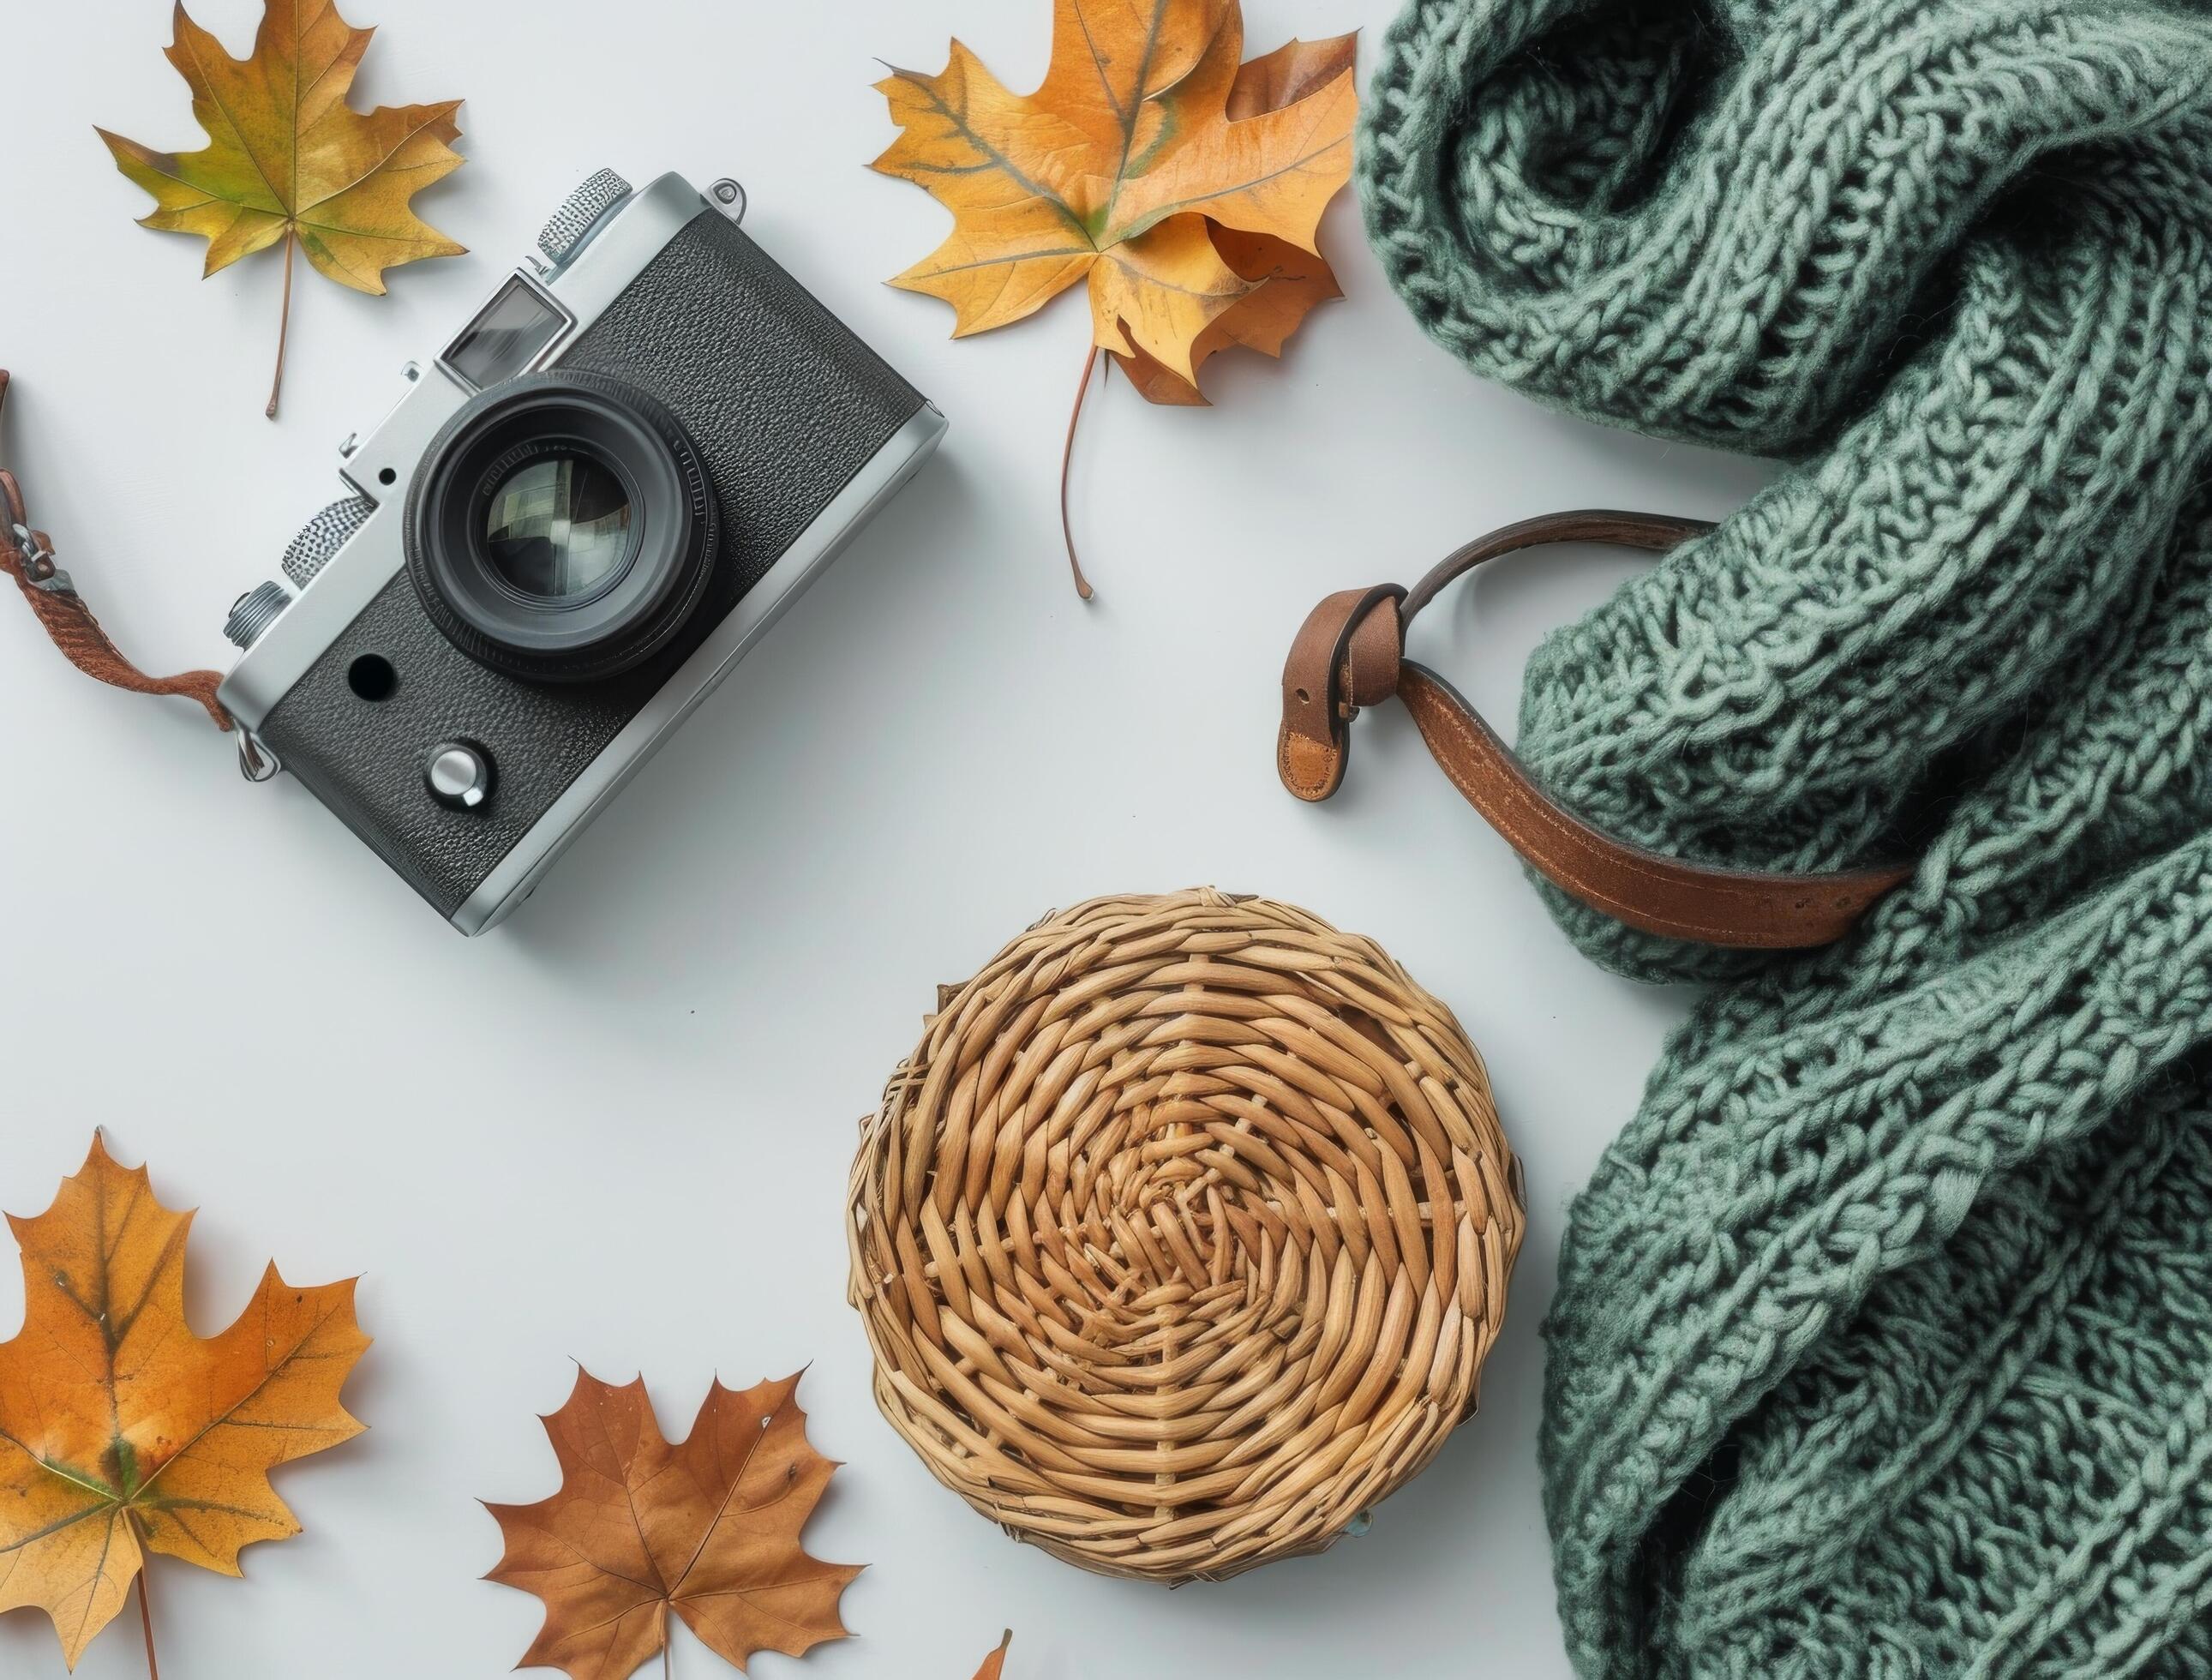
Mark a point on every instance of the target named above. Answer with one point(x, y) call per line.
point(633, 459)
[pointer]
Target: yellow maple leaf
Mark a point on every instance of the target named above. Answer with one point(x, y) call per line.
point(121, 1432)
point(288, 159)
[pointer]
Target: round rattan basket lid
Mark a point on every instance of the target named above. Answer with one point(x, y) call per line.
point(1182, 1234)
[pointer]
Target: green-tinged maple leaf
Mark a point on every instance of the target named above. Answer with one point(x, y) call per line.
point(287, 159)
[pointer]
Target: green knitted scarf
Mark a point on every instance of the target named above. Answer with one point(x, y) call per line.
point(1883, 1338)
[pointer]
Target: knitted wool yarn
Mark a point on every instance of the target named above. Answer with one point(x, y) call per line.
point(1883, 1338)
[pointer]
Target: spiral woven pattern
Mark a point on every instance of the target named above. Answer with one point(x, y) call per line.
point(1182, 1234)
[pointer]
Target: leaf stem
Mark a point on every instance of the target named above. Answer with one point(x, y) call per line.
point(1066, 456)
point(145, 1605)
point(284, 327)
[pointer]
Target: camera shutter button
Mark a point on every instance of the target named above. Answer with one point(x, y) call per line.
point(458, 775)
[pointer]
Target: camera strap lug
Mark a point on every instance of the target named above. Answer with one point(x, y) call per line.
point(39, 571)
point(255, 763)
point(728, 197)
point(27, 556)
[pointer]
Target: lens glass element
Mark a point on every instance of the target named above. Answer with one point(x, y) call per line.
point(558, 527)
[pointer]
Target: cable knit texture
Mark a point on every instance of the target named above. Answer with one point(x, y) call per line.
point(1883, 1338)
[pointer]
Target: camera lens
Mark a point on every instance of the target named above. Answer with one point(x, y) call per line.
point(561, 527)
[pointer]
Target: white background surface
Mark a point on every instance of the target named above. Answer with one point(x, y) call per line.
point(618, 1129)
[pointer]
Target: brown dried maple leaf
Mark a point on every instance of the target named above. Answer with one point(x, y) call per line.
point(709, 1527)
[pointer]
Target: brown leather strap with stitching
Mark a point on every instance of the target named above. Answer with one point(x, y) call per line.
point(1350, 653)
point(27, 556)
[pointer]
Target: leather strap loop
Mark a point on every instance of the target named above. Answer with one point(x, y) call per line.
point(1345, 657)
point(27, 556)
point(1350, 655)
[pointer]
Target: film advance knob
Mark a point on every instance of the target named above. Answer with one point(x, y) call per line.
point(458, 775)
point(583, 207)
point(323, 536)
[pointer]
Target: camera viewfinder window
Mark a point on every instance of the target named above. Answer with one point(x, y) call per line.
point(499, 344)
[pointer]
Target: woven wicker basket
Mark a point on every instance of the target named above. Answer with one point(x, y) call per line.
point(1181, 1235)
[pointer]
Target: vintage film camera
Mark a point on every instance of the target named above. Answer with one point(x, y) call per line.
point(578, 517)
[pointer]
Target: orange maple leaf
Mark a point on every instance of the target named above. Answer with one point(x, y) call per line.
point(709, 1527)
point(994, 1665)
point(1185, 186)
point(121, 1432)
point(1147, 139)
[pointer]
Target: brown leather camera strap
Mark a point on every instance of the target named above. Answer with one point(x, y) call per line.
point(28, 557)
point(1350, 653)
